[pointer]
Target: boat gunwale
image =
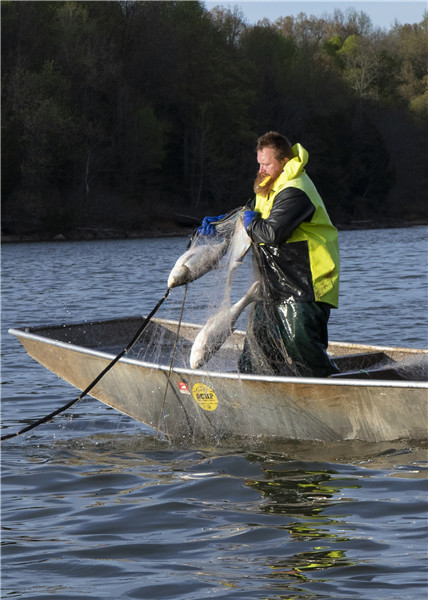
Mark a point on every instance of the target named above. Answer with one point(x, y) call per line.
point(21, 332)
point(332, 343)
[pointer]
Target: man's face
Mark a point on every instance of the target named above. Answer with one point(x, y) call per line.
point(269, 165)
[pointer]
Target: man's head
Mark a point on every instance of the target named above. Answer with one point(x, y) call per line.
point(273, 152)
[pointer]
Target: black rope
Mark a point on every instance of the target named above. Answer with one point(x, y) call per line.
point(96, 380)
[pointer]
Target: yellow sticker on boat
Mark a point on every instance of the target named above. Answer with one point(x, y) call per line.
point(204, 396)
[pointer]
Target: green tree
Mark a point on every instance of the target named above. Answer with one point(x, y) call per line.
point(360, 66)
point(412, 52)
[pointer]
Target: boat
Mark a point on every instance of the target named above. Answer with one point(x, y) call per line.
point(380, 393)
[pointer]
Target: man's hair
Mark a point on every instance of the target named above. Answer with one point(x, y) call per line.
point(280, 144)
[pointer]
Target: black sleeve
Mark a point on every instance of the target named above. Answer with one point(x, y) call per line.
point(290, 208)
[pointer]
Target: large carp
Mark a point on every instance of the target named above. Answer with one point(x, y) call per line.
point(218, 328)
point(195, 262)
point(201, 258)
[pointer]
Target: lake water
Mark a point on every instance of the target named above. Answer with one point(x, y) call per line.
point(94, 507)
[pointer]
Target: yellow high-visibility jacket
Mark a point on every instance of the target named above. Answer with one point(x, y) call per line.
point(297, 244)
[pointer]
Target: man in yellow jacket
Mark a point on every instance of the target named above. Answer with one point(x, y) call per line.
point(296, 252)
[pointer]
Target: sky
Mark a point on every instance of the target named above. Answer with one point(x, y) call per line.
point(383, 14)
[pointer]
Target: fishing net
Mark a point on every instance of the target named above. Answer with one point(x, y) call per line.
point(380, 366)
point(217, 296)
point(254, 344)
point(223, 283)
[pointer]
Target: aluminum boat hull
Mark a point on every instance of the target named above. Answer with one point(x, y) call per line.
point(368, 402)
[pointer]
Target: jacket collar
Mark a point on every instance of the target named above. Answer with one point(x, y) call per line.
point(294, 167)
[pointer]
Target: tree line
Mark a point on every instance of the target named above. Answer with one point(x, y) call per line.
point(132, 114)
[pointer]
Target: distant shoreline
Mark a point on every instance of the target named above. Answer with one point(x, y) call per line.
point(83, 234)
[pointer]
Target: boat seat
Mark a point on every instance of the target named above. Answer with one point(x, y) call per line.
point(363, 360)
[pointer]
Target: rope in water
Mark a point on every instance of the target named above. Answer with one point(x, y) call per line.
point(97, 379)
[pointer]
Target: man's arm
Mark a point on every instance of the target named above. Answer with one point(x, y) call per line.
point(290, 208)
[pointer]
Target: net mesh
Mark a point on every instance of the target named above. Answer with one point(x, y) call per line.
point(261, 349)
point(218, 296)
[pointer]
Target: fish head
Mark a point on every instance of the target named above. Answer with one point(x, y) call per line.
point(255, 291)
point(178, 276)
point(197, 358)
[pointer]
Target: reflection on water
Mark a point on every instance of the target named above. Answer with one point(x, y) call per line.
point(303, 494)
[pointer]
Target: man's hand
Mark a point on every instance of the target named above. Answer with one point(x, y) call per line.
point(249, 216)
point(207, 228)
